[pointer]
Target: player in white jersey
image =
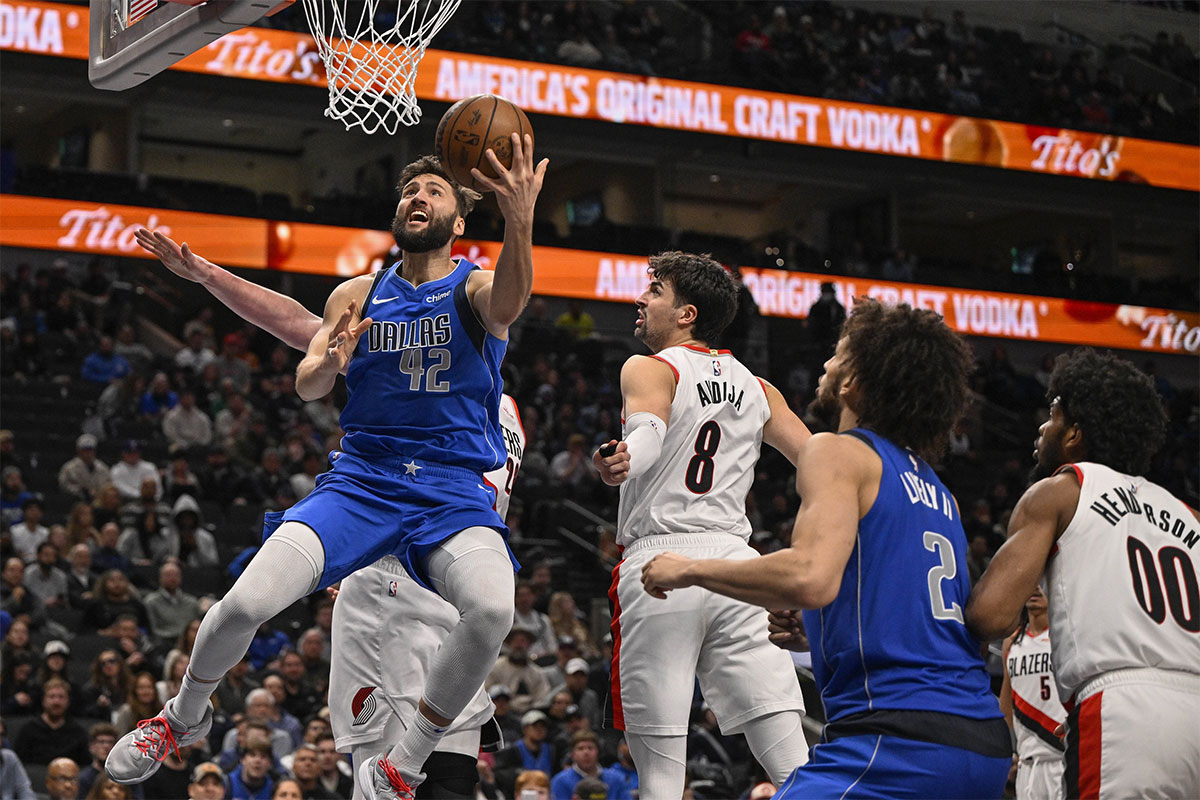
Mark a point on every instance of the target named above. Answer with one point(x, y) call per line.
point(695, 418)
point(1118, 554)
point(1029, 698)
point(375, 679)
point(447, 771)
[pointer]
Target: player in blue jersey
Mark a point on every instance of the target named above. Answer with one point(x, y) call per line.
point(420, 344)
point(877, 560)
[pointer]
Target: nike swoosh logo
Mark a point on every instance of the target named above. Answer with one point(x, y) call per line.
point(379, 300)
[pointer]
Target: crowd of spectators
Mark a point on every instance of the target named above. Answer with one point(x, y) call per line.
point(109, 563)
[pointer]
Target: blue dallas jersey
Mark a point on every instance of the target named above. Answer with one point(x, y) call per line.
point(894, 637)
point(425, 382)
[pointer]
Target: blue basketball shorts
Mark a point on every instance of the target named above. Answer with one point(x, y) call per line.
point(879, 766)
point(363, 511)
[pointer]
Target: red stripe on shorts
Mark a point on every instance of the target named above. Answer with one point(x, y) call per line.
point(1089, 746)
point(618, 711)
point(1034, 713)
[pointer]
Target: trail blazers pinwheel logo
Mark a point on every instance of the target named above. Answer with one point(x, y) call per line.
point(363, 704)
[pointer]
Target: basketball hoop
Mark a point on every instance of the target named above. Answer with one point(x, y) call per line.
point(371, 49)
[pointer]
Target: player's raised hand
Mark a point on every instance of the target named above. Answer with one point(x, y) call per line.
point(516, 188)
point(177, 258)
point(612, 461)
point(786, 629)
point(344, 338)
point(664, 572)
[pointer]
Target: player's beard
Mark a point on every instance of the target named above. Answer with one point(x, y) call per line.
point(1050, 457)
point(437, 234)
point(827, 405)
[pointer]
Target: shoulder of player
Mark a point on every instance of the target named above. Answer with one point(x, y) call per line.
point(832, 452)
point(639, 366)
point(356, 288)
point(1059, 490)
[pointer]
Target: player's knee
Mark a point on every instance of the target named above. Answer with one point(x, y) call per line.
point(234, 612)
point(492, 611)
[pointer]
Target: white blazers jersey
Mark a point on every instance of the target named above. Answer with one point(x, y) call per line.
point(1037, 711)
point(1121, 582)
point(701, 479)
point(387, 630)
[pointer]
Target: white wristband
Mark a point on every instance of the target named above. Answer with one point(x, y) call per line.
point(644, 434)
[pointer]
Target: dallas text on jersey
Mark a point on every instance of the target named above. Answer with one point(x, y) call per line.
point(402, 335)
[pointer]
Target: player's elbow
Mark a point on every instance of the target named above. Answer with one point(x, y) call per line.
point(987, 624)
point(812, 594)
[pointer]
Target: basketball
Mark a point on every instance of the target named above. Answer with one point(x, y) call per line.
point(470, 127)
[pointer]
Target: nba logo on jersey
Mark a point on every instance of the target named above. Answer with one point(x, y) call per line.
point(363, 704)
point(393, 587)
point(716, 367)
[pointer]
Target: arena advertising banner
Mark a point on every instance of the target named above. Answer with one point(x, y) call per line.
point(285, 57)
point(78, 227)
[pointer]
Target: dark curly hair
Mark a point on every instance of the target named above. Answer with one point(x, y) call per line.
point(702, 282)
point(912, 370)
point(430, 165)
point(1123, 420)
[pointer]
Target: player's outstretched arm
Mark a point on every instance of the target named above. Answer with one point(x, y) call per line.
point(1040, 516)
point(784, 431)
point(647, 389)
point(277, 314)
point(331, 348)
point(838, 477)
point(502, 301)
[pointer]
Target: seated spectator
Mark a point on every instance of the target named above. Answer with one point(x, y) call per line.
point(105, 365)
point(105, 788)
point(530, 752)
point(311, 647)
point(174, 668)
point(84, 475)
point(252, 778)
point(180, 480)
point(29, 533)
point(62, 779)
point(235, 686)
point(208, 782)
point(581, 696)
point(53, 734)
point(13, 495)
point(622, 776)
point(249, 728)
point(591, 789)
point(185, 426)
point(277, 716)
point(106, 507)
point(141, 703)
point(584, 763)
point(565, 619)
point(301, 694)
point(222, 480)
point(158, 398)
point(14, 781)
point(508, 720)
point(533, 780)
point(575, 321)
point(266, 645)
point(104, 553)
point(518, 673)
point(15, 598)
point(169, 607)
point(556, 672)
point(119, 401)
point(81, 525)
point(114, 597)
point(55, 655)
point(195, 355)
point(306, 766)
point(108, 687)
point(101, 738)
point(148, 537)
point(135, 647)
point(173, 777)
point(305, 480)
point(335, 770)
point(45, 580)
point(20, 692)
point(129, 473)
point(573, 467)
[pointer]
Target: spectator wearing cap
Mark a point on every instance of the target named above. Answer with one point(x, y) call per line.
point(45, 580)
point(185, 426)
point(527, 617)
point(252, 779)
point(577, 684)
point(508, 720)
point(585, 763)
point(515, 670)
point(53, 734)
point(129, 473)
point(208, 782)
point(101, 738)
point(169, 607)
point(62, 779)
point(105, 364)
point(29, 533)
point(55, 655)
point(306, 767)
point(84, 475)
point(531, 751)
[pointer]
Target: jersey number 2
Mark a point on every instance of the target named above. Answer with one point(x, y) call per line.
point(946, 570)
point(699, 476)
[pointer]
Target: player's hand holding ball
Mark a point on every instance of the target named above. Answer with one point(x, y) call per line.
point(612, 461)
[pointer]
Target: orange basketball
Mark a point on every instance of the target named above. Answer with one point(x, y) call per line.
point(470, 127)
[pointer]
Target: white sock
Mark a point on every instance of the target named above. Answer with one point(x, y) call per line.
point(418, 741)
point(194, 697)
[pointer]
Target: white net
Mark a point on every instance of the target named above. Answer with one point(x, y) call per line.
point(371, 49)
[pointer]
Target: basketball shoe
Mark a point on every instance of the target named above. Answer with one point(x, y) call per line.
point(379, 780)
point(139, 753)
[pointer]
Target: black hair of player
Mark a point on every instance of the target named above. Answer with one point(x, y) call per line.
point(1115, 404)
point(430, 165)
point(912, 372)
point(701, 281)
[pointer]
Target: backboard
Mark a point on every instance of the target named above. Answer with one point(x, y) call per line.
point(132, 40)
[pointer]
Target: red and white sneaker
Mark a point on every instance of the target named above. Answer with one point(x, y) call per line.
point(139, 753)
point(379, 780)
